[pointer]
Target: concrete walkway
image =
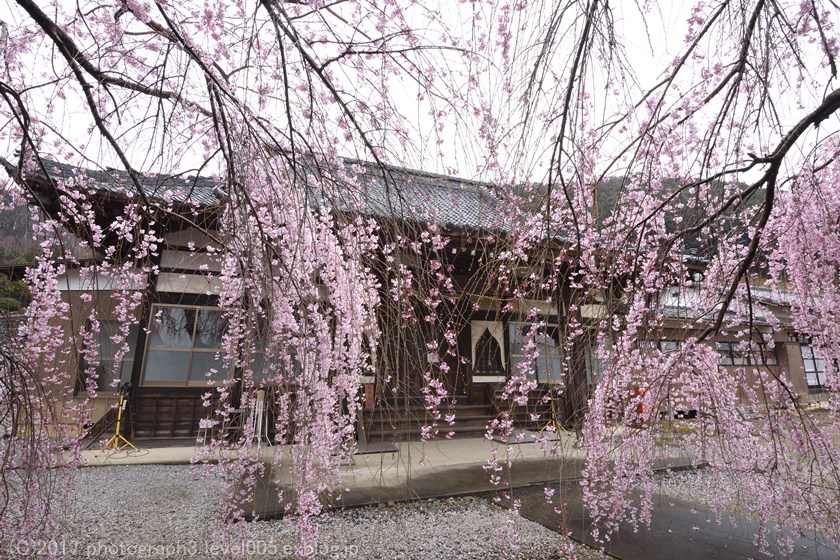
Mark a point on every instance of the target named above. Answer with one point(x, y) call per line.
point(444, 468)
point(385, 460)
point(407, 470)
point(175, 455)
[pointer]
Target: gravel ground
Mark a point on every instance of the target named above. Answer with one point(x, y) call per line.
point(169, 512)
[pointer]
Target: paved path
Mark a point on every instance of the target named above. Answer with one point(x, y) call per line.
point(448, 468)
point(679, 529)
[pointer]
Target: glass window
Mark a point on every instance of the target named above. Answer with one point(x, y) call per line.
point(185, 346)
point(594, 367)
point(210, 329)
point(725, 351)
point(206, 365)
point(538, 348)
point(172, 327)
point(733, 354)
point(258, 366)
point(814, 366)
point(257, 358)
point(162, 365)
point(668, 345)
point(267, 362)
point(596, 355)
point(661, 345)
point(765, 357)
point(108, 371)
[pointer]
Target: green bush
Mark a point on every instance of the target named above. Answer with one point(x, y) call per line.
point(10, 304)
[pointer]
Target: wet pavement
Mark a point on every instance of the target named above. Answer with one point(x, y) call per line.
point(679, 529)
point(369, 483)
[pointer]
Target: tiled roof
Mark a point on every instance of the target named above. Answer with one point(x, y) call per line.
point(196, 191)
point(406, 194)
point(410, 195)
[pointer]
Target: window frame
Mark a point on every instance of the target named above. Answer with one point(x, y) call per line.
point(538, 375)
point(818, 366)
point(187, 381)
point(731, 355)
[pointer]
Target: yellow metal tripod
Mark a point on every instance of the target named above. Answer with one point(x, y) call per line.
point(554, 421)
point(118, 442)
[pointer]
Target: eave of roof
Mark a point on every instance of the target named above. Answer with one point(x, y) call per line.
point(190, 191)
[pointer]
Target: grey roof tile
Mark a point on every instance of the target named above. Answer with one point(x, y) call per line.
point(406, 194)
point(197, 191)
point(425, 197)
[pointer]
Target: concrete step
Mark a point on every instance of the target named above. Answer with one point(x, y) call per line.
point(470, 430)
